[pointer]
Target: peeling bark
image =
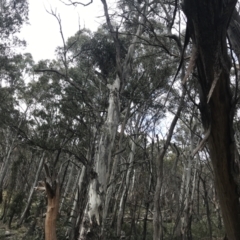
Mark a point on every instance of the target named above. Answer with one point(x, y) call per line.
point(98, 184)
point(207, 23)
point(53, 199)
point(103, 157)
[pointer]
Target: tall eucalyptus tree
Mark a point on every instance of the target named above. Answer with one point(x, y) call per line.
point(207, 24)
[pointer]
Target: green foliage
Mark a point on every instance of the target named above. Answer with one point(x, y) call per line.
point(13, 14)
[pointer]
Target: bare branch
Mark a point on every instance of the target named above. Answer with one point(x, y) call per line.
point(77, 3)
point(202, 143)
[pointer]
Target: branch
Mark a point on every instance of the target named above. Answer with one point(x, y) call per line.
point(115, 39)
point(60, 25)
point(50, 70)
point(202, 143)
point(77, 3)
point(174, 14)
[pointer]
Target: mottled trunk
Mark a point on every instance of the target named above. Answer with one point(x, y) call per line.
point(98, 184)
point(207, 23)
point(177, 227)
point(188, 203)
point(103, 157)
point(116, 161)
point(189, 187)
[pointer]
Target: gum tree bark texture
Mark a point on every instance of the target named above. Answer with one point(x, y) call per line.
point(99, 179)
point(53, 199)
point(207, 23)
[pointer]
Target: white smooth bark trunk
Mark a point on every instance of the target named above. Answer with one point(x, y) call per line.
point(75, 201)
point(116, 161)
point(98, 185)
point(70, 176)
point(127, 183)
point(40, 167)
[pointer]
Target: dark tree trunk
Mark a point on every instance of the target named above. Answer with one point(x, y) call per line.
point(207, 24)
point(207, 208)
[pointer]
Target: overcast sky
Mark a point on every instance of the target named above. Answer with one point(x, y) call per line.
point(42, 34)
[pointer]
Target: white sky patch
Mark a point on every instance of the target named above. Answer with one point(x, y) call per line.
point(42, 33)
